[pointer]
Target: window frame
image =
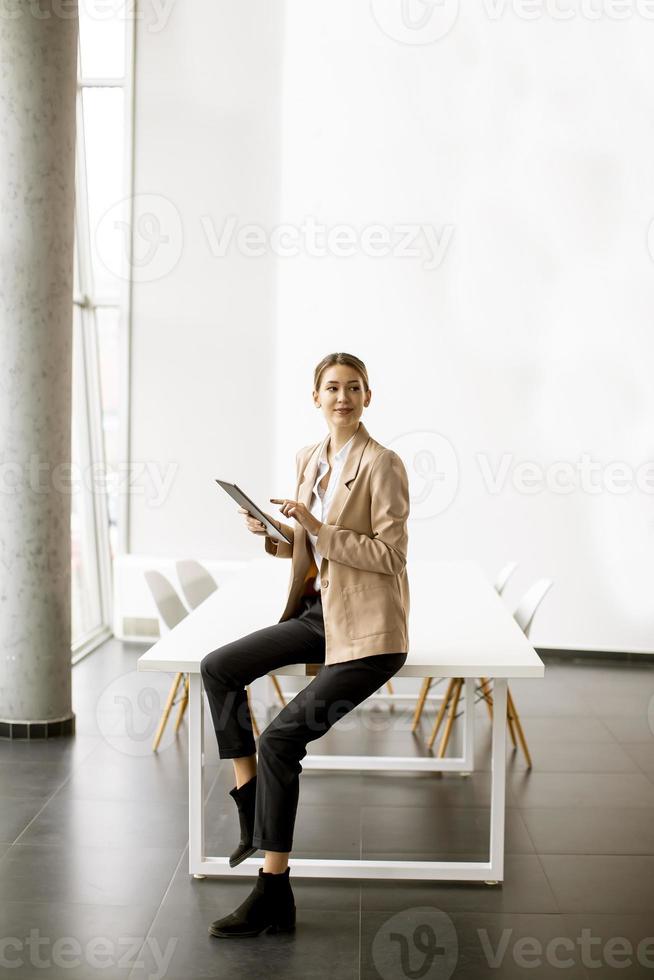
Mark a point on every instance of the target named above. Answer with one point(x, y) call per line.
point(92, 448)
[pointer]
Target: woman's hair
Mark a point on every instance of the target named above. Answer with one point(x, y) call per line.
point(340, 358)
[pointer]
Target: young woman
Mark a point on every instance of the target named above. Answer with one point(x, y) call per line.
point(347, 608)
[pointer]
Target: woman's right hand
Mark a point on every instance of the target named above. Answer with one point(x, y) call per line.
point(253, 524)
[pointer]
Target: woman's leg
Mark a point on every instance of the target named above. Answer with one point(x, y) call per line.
point(228, 670)
point(335, 691)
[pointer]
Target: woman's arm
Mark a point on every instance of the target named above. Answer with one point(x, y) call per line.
point(284, 549)
point(280, 549)
point(386, 550)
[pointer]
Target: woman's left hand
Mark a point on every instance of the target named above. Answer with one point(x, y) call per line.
point(301, 513)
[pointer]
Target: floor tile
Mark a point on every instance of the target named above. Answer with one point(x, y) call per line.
point(591, 830)
point(525, 889)
point(33, 780)
point(626, 729)
point(16, 815)
point(642, 754)
point(69, 749)
point(613, 945)
point(466, 945)
point(325, 944)
point(567, 789)
point(394, 832)
point(113, 824)
point(549, 755)
point(63, 941)
point(87, 875)
point(601, 883)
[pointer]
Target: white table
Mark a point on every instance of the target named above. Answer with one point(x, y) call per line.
point(458, 627)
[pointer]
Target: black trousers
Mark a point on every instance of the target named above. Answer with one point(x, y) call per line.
point(334, 691)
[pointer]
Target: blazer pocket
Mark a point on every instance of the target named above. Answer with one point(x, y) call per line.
point(370, 609)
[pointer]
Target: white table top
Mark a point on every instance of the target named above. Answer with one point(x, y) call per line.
point(458, 625)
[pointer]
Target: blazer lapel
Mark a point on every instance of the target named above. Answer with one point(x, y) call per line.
point(348, 474)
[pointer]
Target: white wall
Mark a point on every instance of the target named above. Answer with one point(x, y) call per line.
point(529, 143)
point(206, 146)
point(533, 140)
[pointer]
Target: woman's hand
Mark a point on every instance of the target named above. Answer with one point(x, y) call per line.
point(301, 513)
point(253, 524)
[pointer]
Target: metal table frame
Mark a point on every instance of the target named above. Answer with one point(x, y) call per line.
point(491, 871)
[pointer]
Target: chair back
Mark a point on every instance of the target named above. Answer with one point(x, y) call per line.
point(196, 582)
point(169, 605)
point(531, 600)
point(504, 576)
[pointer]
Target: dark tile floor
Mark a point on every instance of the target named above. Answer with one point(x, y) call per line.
point(94, 832)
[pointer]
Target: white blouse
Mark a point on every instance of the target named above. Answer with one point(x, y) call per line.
point(321, 499)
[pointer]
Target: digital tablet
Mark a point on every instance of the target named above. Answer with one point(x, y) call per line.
point(237, 494)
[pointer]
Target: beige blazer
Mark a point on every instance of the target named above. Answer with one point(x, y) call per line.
point(363, 543)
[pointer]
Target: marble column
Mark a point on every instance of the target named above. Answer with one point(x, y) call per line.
point(38, 77)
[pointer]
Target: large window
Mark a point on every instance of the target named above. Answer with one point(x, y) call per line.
point(100, 314)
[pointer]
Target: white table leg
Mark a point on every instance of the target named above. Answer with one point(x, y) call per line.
point(491, 871)
point(196, 774)
point(469, 726)
point(498, 780)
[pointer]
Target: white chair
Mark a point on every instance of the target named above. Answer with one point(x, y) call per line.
point(523, 615)
point(171, 611)
point(504, 576)
point(196, 582)
point(197, 585)
point(499, 585)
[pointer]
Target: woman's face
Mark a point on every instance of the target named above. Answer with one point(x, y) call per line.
point(342, 396)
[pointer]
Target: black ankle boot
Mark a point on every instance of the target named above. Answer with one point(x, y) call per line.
point(270, 906)
point(244, 797)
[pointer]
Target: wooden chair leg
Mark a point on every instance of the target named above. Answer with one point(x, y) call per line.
point(516, 719)
point(509, 719)
point(424, 690)
point(509, 716)
point(280, 693)
point(456, 692)
point(255, 727)
point(391, 706)
point(166, 711)
point(182, 704)
point(486, 692)
point(441, 713)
